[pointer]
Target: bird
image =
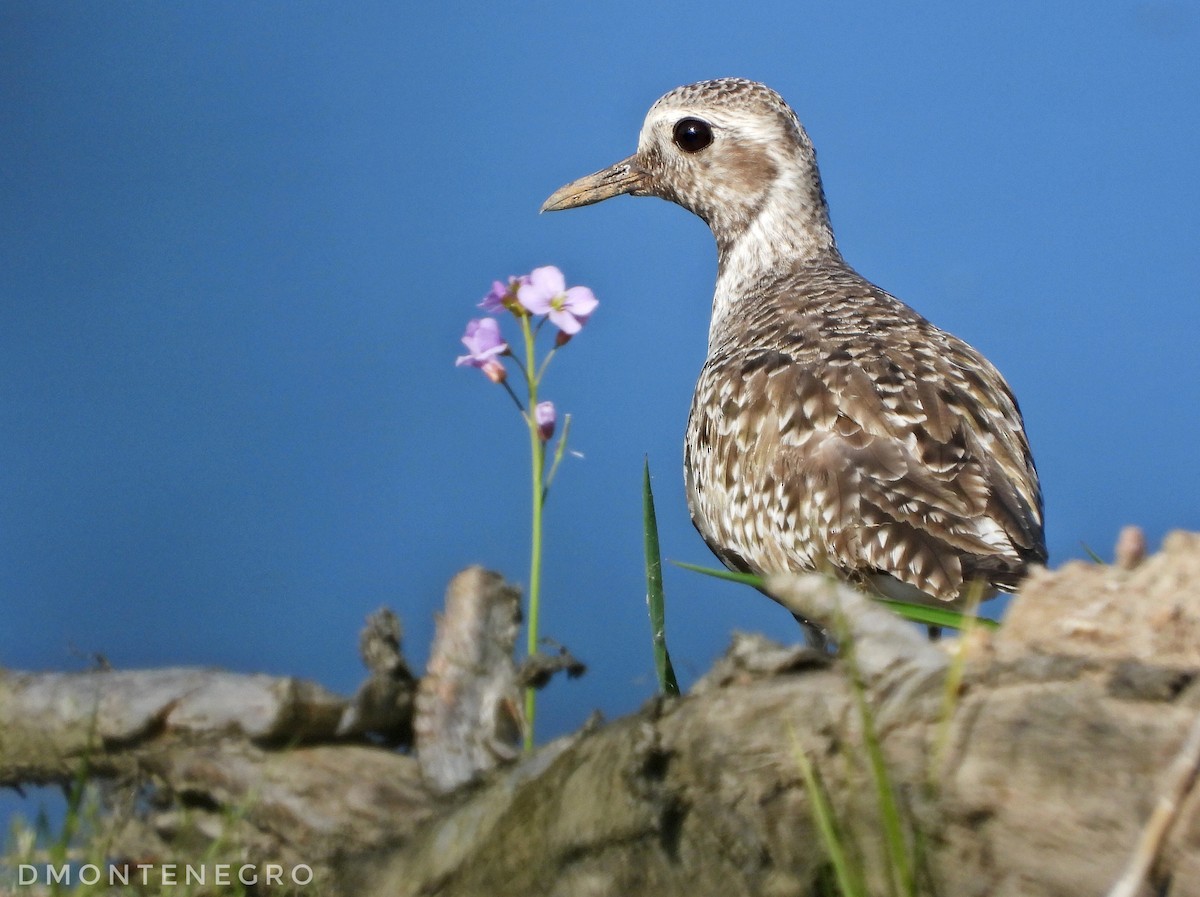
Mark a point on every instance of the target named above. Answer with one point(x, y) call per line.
point(833, 428)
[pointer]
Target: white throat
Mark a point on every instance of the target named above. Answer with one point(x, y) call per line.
point(791, 228)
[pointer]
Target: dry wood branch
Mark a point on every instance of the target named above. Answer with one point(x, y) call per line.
point(50, 720)
point(1181, 778)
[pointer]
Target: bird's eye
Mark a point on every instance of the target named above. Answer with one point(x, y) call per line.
point(692, 135)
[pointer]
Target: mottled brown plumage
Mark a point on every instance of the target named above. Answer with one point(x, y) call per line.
point(833, 427)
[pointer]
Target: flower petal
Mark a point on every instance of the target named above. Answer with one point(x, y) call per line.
point(483, 341)
point(548, 278)
point(582, 301)
point(565, 321)
point(494, 300)
point(534, 299)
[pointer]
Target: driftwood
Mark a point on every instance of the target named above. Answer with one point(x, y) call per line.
point(1062, 762)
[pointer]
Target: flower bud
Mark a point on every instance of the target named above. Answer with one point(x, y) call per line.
point(545, 416)
point(494, 370)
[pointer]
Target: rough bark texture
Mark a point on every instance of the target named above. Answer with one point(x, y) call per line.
point(1035, 776)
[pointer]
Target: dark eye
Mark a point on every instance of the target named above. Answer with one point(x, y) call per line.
point(692, 135)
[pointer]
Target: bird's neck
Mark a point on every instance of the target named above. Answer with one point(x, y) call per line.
point(790, 230)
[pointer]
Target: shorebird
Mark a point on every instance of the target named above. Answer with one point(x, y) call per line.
point(833, 428)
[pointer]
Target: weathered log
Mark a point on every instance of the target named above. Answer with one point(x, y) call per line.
point(1035, 777)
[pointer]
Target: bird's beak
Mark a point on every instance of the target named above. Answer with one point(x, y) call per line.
point(624, 177)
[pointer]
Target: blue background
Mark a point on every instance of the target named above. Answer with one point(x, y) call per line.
point(239, 244)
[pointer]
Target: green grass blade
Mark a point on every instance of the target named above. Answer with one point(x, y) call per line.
point(937, 616)
point(900, 865)
point(952, 686)
point(847, 873)
point(748, 579)
point(655, 600)
point(917, 613)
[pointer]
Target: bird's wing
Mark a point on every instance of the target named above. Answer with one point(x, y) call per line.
point(904, 456)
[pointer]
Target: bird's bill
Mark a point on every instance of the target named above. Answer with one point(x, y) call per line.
point(624, 177)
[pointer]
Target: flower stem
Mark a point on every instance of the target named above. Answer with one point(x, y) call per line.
point(545, 362)
point(559, 449)
point(513, 396)
point(538, 459)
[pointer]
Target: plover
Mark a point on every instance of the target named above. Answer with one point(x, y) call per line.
point(833, 427)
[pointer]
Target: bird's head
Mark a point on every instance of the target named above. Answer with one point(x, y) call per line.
point(731, 151)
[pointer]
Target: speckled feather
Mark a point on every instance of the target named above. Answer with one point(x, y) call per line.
point(832, 427)
point(835, 428)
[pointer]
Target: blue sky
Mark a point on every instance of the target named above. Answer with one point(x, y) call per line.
point(240, 243)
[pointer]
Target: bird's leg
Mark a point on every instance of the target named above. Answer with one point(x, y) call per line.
point(814, 636)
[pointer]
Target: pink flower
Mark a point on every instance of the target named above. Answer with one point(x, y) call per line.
point(484, 348)
point(546, 293)
point(504, 297)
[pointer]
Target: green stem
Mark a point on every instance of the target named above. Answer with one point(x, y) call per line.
point(559, 449)
point(513, 396)
point(545, 363)
point(538, 458)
